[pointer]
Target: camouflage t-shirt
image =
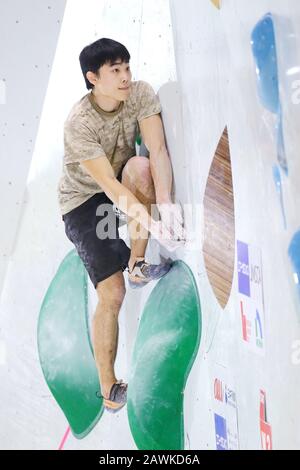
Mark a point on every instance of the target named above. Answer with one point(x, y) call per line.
point(90, 132)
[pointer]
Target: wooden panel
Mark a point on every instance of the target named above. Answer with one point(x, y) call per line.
point(219, 233)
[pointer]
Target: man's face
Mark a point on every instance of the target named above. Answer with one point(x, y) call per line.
point(112, 78)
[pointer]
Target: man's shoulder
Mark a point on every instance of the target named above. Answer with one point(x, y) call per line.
point(80, 111)
point(140, 86)
point(139, 89)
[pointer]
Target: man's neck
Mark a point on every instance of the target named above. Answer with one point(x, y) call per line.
point(106, 104)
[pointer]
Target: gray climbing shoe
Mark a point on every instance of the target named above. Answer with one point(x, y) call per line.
point(117, 397)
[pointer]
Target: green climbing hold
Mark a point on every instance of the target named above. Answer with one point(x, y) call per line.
point(65, 349)
point(165, 349)
point(139, 140)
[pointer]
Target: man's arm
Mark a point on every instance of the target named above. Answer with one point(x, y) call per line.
point(161, 170)
point(160, 165)
point(102, 172)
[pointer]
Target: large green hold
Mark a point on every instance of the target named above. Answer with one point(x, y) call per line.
point(166, 346)
point(65, 348)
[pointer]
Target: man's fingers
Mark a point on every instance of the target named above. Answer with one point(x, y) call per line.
point(171, 217)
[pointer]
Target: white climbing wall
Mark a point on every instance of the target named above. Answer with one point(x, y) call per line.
point(30, 418)
point(28, 29)
point(199, 60)
point(217, 84)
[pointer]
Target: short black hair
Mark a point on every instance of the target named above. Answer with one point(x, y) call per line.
point(100, 52)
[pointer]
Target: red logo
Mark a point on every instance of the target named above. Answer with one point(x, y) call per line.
point(246, 325)
point(265, 427)
point(218, 390)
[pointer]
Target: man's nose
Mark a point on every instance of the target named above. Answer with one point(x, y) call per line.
point(126, 77)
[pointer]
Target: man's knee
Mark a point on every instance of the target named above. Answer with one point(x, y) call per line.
point(112, 290)
point(137, 168)
point(137, 178)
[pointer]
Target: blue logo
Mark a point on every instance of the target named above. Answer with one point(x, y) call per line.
point(221, 433)
point(243, 268)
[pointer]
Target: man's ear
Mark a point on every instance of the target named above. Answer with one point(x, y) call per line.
point(92, 77)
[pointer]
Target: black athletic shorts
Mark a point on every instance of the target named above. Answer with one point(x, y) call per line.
point(96, 237)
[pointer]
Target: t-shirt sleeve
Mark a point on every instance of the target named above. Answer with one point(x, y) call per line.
point(148, 101)
point(80, 143)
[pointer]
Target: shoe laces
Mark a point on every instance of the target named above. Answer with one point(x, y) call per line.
point(141, 264)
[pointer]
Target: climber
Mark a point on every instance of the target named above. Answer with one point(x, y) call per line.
point(103, 180)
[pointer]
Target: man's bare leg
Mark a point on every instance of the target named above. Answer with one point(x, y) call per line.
point(137, 177)
point(111, 294)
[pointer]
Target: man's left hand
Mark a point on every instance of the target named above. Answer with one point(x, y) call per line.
point(172, 219)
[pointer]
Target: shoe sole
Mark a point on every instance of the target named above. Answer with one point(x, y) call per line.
point(137, 285)
point(112, 406)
